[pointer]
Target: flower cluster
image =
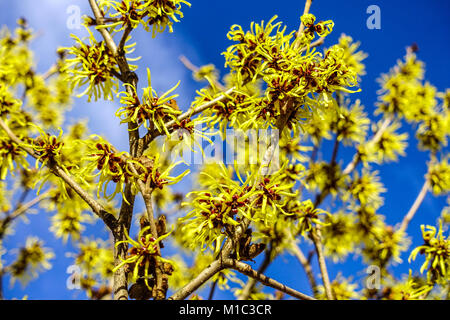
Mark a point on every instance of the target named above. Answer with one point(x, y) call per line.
point(47, 147)
point(154, 110)
point(436, 249)
point(120, 168)
point(306, 216)
point(297, 82)
point(439, 177)
point(366, 189)
point(342, 289)
point(143, 256)
point(96, 262)
point(403, 94)
point(31, 258)
point(387, 148)
point(214, 216)
point(321, 28)
point(11, 154)
point(158, 14)
point(339, 235)
point(95, 67)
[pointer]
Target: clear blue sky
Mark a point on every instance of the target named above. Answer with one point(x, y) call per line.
point(201, 36)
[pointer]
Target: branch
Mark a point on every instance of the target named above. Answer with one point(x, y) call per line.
point(335, 150)
point(197, 282)
point(190, 66)
point(246, 291)
point(191, 112)
point(248, 271)
point(356, 158)
point(316, 238)
point(302, 27)
point(98, 209)
point(21, 209)
point(298, 253)
point(412, 211)
point(126, 210)
point(213, 289)
point(103, 31)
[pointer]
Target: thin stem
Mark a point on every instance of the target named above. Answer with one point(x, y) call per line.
point(302, 27)
point(190, 66)
point(298, 253)
point(335, 150)
point(146, 194)
point(314, 44)
point(21, 209)
point(412, 211)
point(103, 31)
point(248, 271)
point(197, 282)
point(191, 112)
point(247, 290)
point(316, 238)
point(356, 158)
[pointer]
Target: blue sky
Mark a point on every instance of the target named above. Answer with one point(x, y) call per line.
point(201, 36)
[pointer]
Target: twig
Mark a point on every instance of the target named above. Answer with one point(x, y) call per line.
point(103, 31)
point(247, 290)
point(202, 277)
point(316, 238)
point(314, 44)
point(298, 253)
point(21, 209)
point(335, 150)
point(98, 209)
point(213, 289)
point(356, 158)
point(190, 66)
point(412, 211)
point(50, 72)
point(248, 271)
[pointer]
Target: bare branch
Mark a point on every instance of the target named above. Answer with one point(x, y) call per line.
point(356, 158)
point(204, 276)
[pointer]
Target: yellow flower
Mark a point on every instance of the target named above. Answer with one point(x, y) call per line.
point(94, 66)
